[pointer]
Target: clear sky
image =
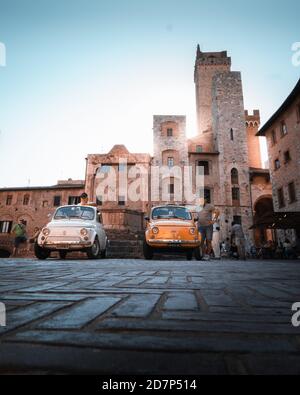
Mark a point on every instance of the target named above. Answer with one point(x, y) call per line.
point(83, 75)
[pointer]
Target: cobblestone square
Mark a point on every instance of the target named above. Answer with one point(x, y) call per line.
point(149, 317)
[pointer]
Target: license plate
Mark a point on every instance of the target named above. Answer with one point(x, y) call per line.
point(174, 244)
point(62, 247)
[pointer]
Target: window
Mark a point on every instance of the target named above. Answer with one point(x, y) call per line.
point(169, 132)
point(273, 137)
point(9, 200)
point(280, 195)
point(99, 201)
point(205, 166)
point(298, 113)
point(199, 149)
point(277, 164)
point(56, 201)
point(283, 128)
point(236, 196)
point(207, 195)
point(105, 169)
point(73, 200)
point(26, 200)
point(122, 201)
point(287, 156)
point(170, 162)
point(171, 188)
point(234, 177)
point(122, 167)
point(5, 226)
point(231, 134)
point(237, 219)
point(292, 192)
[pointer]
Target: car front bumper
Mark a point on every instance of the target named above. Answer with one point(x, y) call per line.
point(66, 245)
point(161, 243)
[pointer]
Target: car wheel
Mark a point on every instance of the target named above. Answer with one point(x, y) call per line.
point(198, 254)
point(189, 255)
point(41, 253)
point(94, 251)
point(62, 254)
point(148, 251)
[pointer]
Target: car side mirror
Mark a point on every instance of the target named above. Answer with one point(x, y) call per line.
point(147, 219)
point(196, 219)
point(49, 215)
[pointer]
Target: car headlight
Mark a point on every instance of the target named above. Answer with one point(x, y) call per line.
point(192, 231)
point(46, 231)
point(155, 230)
point(84, 232)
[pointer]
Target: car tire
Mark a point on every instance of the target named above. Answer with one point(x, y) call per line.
point(189, 255)
point(62, 254)
point(94, 252)
point(198, 254)
point(41, 253)
point(147, 251)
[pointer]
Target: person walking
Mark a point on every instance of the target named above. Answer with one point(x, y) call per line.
point(238, 239)
point(19, 232)
point(207, 215)
point(216, 240)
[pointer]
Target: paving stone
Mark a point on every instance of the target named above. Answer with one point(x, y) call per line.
point(66, 360)
point(27, 314)
point(136, 306)
point(79, 315)
point(181, 301)
point(204, 327)
point(160, 343)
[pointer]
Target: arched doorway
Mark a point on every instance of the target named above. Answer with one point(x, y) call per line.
point(263, 208)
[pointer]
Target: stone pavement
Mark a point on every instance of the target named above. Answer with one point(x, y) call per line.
point(152, 317)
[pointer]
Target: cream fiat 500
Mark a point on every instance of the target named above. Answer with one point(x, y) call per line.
point(73, 228)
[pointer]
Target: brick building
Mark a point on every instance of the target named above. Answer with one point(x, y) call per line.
point(282, 131)
point(225, 146)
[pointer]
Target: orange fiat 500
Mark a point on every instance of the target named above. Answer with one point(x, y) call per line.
point(172, 228)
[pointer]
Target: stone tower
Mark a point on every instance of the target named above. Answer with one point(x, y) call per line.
point(220, 111)
point(229, 130)
point(207, 65)
point(170, 150)
point(252, 125)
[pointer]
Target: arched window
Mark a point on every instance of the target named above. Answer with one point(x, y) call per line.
point(234, 177)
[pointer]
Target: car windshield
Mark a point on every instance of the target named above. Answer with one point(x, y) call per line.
point(78, 212)
point(171, 212)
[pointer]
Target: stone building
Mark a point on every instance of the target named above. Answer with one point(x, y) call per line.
point(34, 205)
point(226, 148)
point(282, 131)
